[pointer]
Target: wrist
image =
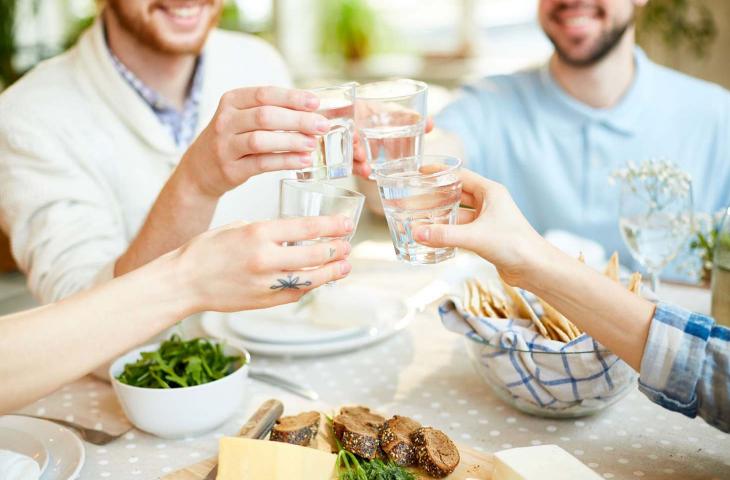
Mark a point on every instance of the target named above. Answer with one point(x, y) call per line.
point(180, 277)
point(545, 269)
point(165, 287)
point(188, 185)
point(540, 262)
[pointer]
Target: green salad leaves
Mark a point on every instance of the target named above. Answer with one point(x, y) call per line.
point(179, 363)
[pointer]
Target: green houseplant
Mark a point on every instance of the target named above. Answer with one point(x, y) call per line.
point(679, 23)
point(348, 29)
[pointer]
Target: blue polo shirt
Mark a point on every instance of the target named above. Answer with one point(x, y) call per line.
point(555, 154)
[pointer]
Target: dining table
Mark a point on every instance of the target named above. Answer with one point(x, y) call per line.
point(422, 372)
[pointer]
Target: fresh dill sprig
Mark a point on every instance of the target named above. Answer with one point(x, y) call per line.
point(350, 467)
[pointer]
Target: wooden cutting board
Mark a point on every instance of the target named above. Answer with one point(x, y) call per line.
point(473, 466)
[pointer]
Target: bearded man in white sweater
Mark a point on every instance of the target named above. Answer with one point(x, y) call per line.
point(149, 131)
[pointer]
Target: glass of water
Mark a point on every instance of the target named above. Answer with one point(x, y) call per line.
point(307, 198)
point(419, 190)
point(334, 149)
point(655, 222)
point(391, 118)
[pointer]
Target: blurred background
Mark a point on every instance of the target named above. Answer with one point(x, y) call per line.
point(444, 42)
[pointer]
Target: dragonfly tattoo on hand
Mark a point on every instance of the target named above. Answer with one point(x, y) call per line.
point(290, 283)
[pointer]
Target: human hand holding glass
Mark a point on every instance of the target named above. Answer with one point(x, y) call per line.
point(333, 156)
point(303, 198)
point(419, 190)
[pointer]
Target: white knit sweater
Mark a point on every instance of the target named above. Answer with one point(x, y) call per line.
point(82, 158)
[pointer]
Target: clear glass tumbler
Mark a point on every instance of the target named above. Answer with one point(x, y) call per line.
point(391, 118)
point(307, 198)
point(334, 149)
point(419, 190)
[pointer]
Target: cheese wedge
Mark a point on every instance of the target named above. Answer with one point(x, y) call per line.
point(544, 462)
point(248, 459)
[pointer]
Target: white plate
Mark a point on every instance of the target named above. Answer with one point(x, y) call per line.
point(65, 450)
point(331, 314)
point(216, 325)
point(20, 442)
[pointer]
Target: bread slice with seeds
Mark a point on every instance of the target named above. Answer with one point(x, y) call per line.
point(297, 430)
point(435, 451)
point(395, 440)
point(358, 429)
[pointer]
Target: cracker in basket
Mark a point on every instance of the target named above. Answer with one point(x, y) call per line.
point(612, 269)
point(576, 331)
point(560, 320)
point(471, 299)
point(523, 308)
point(556, 333)
point(485, 298)
point(500, 304)
point(635, 283)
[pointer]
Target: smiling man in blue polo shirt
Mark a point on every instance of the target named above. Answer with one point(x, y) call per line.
point(553, 135)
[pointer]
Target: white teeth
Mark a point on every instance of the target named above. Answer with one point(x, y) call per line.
point(577, 21)
point(185, 12)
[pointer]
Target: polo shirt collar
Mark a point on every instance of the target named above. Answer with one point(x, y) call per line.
point(624, 117)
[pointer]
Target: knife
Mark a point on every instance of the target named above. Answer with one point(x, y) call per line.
point(258, 426)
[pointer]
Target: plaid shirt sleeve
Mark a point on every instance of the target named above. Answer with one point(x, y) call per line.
point(686, 365)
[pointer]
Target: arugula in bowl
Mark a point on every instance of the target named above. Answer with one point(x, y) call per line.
point(180, 363)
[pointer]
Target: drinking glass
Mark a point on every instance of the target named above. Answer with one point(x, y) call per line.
point(308, 198)
point(419, 190)
point(334, 149)
point(655, 223)
point(391, 118)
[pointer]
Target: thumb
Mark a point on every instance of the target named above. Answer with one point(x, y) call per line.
point(443, 235)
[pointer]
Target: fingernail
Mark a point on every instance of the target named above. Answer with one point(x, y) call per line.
point(348, 248)
point(349, 225)
point(423, 234)
point(305, 160)
point(311, 101)
point(311, 142)
point(322, 125)
point(345, 268)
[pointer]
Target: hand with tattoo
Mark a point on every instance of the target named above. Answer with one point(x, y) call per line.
point(247, 266)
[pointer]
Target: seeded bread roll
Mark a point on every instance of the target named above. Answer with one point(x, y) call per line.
point(297, 430)
point(436, 453)
point(358, 429)
point(395, 440)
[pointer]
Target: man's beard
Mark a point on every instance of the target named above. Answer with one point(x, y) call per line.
point(605, 45)
point(147, 35)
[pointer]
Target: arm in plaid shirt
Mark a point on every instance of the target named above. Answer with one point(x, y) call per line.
point(686, 365)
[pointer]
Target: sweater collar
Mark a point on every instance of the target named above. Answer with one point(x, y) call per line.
point(131, 109)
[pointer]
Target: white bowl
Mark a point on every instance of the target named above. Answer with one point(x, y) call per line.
point(180, 412)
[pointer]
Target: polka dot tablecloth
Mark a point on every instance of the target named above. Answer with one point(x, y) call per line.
point(423, 373)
